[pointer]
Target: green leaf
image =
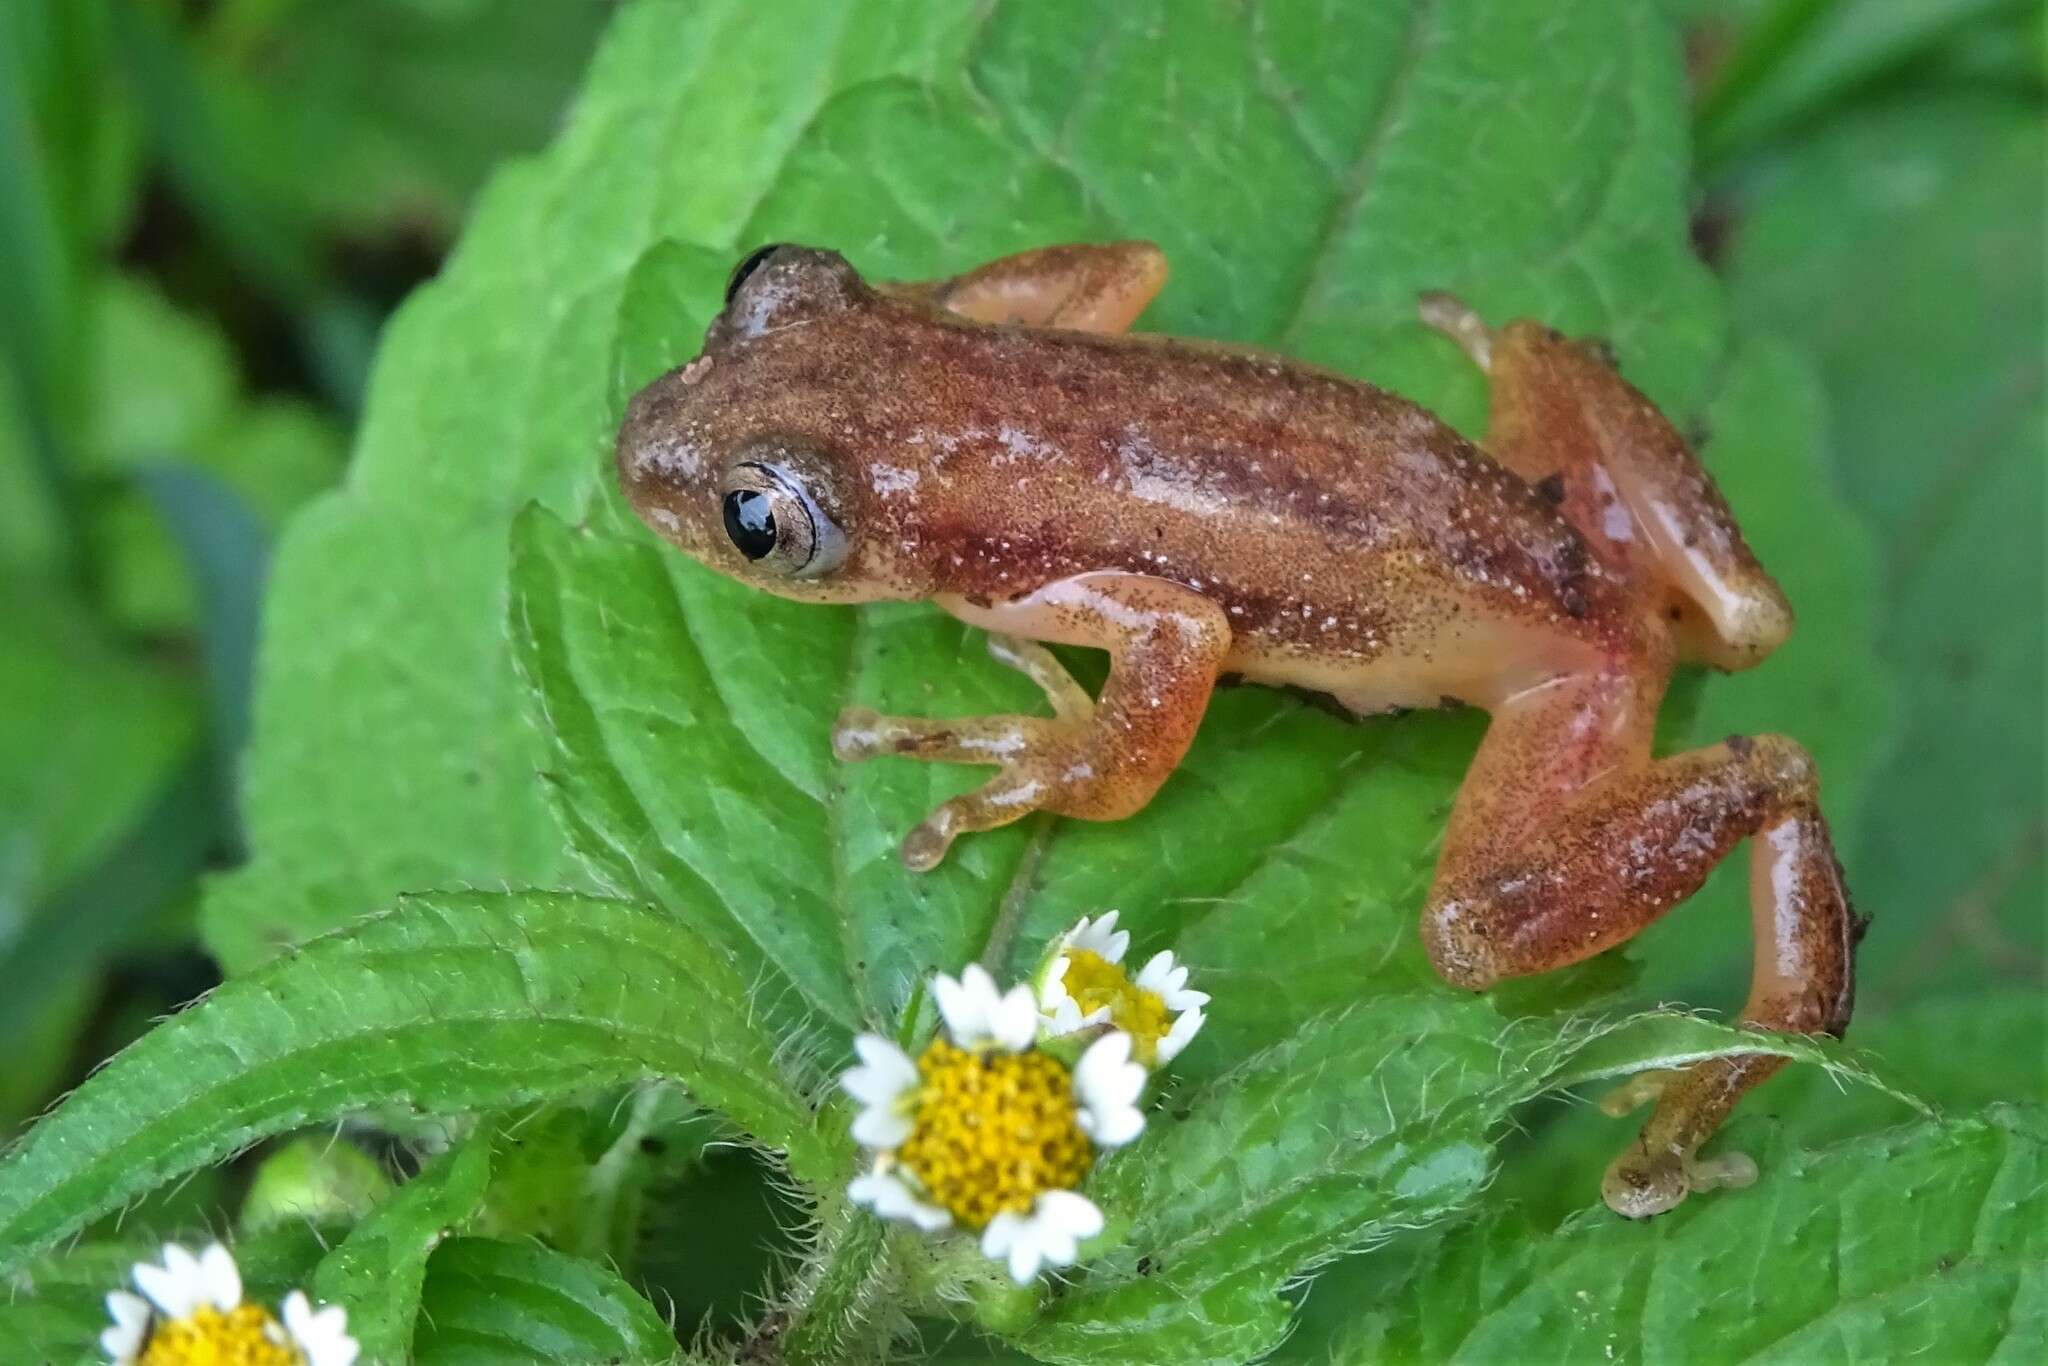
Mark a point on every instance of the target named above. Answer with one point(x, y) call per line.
point(1662, 1040)
point(1369, 1121)
point(1795, 59)
point(165, 392)
point(450, 1003)
point(598, 672)
point(1935, 383)
point(90, 739)
point(487, 1302)
point(1367, 1125)
point(378, 1271)
point(386, 115)
point(1925, 1241)
point(87, 736)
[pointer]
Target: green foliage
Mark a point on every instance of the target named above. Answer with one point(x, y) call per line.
point(486, 1302)
point(1924, 1241)
point(452, 1003)
point(378, 1271)
point(480, 672)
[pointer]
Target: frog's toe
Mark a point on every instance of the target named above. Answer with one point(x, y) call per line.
point(1447, 313)
point(858, 734)
point(926, 845)
point(1641, 1183)
point(1638, 1091)
point(1009, 796)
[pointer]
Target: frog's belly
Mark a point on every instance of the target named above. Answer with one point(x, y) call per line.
point(1468, 655)
point(1478, 662)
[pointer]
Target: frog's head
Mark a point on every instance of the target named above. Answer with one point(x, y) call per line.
point(736, 458)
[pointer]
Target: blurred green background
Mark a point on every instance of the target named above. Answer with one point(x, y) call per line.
point(209, 211)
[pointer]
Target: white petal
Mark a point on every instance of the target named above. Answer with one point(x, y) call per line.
point(1014, 1238)
point(1064, 1219)
point(177, 1287)
point(1106, 1082)
point(1112, 1127)
point(892, 1199)
point(1052, 984)
point(1161, 974)
point(1050, 1235)
point(1100, 937)
point(885, 1075)
point(1060, 1017)
point(322, 1335)
point(1013, 1020)
point(1168, 981)
point(1185, 1027)
point(880, 1127)
point(222, 1280)
point(1105, 1075)
point(952, 1002)
point(966, 1003)
point(123, 1341)
point(1070, 1020)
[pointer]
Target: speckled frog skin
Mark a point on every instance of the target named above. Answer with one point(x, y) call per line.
point(996, 444)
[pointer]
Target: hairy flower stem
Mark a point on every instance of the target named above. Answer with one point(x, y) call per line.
point(832, 1317)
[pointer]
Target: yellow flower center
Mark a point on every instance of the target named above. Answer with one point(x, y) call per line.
point(992, 1130)
point(1094, 982)
point(244, 1336)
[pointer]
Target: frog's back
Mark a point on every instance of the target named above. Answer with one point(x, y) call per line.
point(1338, 524)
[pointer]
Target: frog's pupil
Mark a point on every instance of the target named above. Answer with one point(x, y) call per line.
point(750, 522)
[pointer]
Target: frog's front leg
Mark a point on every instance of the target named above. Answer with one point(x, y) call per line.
point(1095, 759)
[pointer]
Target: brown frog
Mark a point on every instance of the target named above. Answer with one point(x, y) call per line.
point(995, 443)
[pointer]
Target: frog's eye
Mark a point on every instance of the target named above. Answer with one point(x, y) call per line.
point(775, 522)
point(749, 263)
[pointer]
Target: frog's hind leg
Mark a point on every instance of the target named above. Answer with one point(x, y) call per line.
point(1565, 420)
point(1568, 839)
point(1082, 286)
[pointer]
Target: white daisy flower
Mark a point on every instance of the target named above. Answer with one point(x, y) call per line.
point(986, 1131)
point(191, 1311)
point(1083, 983)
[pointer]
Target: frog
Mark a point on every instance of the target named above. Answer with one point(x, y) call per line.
point(999, 443)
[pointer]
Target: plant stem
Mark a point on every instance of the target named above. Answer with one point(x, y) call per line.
point(832, 1319)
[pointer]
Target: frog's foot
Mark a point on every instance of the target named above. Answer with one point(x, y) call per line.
point(1659, 1169)
point(1043, 764)
point(1645, 1181)
point(1096, 760)
point(1033, 752)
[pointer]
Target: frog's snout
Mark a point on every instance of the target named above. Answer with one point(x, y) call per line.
point(664, 466)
